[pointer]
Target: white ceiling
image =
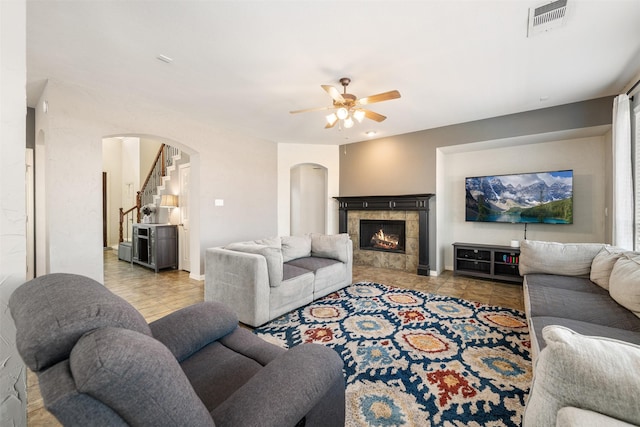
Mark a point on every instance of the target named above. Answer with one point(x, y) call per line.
point(243, 65)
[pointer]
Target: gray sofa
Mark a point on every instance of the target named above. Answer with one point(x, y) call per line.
point(582, 303)
point(264, 279)
point(100, 364)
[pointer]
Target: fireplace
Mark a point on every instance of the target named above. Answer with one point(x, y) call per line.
point(382, 235)
point(412, 252)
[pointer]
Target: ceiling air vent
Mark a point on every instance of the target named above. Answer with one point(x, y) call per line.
point(546, 17)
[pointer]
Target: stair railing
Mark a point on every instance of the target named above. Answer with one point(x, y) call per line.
point(162, 161)
point(128, 217)
point(154, 177)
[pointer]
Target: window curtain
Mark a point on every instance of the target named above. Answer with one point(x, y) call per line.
point(623, 215)
point(635, 153)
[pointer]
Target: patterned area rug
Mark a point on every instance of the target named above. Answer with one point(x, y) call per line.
point(416, 359)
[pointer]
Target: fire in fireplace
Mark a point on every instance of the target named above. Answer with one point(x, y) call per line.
point(382, 235)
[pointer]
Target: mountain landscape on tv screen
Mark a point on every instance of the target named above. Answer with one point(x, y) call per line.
point(535, 197)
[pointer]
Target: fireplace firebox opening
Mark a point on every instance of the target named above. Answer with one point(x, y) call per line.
point(382, 235)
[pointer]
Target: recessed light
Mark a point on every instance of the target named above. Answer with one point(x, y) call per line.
point(164, 58)
point(371, 133)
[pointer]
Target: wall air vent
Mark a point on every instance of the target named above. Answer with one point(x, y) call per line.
point(546, 17)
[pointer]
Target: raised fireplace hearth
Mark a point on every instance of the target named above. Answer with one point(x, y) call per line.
point(413, 210)
point(382, 235)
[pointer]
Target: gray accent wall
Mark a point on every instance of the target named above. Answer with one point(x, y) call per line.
point(434, 161)
point(406, 164)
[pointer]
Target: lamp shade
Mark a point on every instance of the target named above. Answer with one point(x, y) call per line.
point(169, 201)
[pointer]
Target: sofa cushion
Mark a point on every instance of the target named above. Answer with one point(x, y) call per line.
point(216, 372)
point(68, 305)
point(624, 283)
point(328, 272)
point(577, 370)
point(570, 283)
point(313, 263)
point(272, 254)
point(595, 308)
point(295, 247)
point(335, 246)
point(291, 271)
point(137, 377)
point(538, 323)
point(603, 264)
point(567, 259)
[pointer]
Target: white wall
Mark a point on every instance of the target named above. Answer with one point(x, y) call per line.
point(308, 212)
point(13, 252)
point(130, 168)
point(586, 156)
point(240, 170)
point(148, 150)
point(290, 155)
point(112, 165)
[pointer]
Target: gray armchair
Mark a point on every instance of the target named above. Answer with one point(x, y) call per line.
point(99, 363)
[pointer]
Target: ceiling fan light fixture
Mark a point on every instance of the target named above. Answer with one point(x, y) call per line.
point(347, 108)
point(348, 123)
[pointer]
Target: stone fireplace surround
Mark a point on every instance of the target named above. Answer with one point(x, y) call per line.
point(413, 209)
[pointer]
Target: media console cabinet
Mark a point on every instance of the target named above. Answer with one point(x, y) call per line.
point(487, 261)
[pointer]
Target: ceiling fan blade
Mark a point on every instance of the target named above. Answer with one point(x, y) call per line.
point(306, 110)
point(374, 116)
point(386, 96)
point(333, 93)
point(329, 125)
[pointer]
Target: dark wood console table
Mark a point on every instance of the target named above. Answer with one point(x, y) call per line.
point(155, 245)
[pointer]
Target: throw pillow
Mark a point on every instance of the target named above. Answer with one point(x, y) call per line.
point(592, 373)
point(272, 255)
point(334, 246)
point(624, 283)
point(603, 264)
point(294, 247)
point(565, 259)
point(274, 242)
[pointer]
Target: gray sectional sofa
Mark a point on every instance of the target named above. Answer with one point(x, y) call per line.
point(582, 303)
point(264, 279)
point(575, 285)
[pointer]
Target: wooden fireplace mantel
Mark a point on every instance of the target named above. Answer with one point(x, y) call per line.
point(408, 202)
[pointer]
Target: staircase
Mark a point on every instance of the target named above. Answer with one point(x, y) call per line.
point(155, 185)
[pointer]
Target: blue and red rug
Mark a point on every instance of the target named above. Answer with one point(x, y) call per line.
point(417, 359)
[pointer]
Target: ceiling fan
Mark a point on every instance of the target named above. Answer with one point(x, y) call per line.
point(347, 107)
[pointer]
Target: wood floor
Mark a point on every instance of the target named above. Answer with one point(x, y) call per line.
point(158, 294)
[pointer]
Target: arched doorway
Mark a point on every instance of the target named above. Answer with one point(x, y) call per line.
point(308, 199)
point(129, 161)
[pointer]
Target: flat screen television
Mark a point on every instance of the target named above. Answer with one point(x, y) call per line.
point(539, 197)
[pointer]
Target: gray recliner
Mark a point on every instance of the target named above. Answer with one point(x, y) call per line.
point(99, 363)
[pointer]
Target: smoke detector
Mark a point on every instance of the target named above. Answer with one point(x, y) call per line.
point(546, 17)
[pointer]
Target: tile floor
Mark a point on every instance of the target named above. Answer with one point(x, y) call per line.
point(156, 295)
